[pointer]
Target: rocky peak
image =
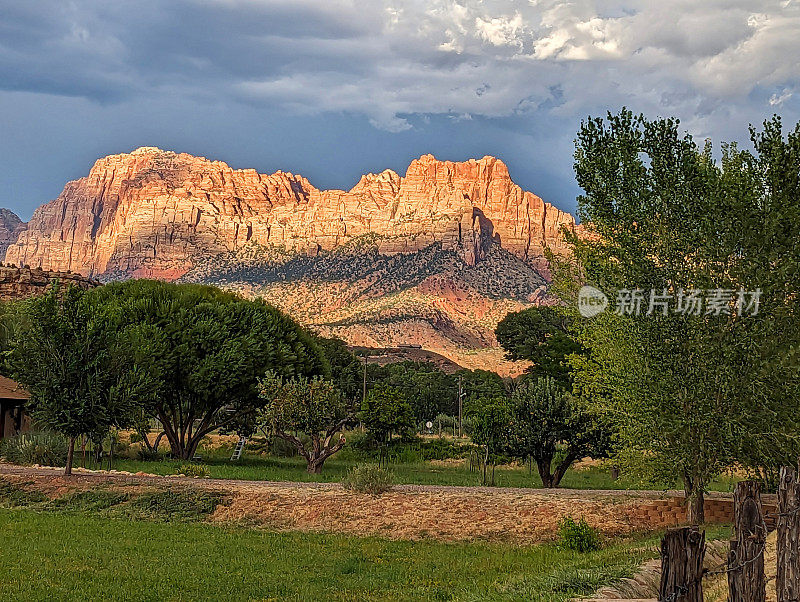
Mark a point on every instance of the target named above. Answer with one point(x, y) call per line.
point(156, 213)
point(10, 227)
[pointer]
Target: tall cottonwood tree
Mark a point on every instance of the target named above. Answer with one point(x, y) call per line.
point(693, 393)
point(207, 350)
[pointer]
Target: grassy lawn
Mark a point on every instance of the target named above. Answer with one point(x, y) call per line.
point(268, 468)
point(79, 556)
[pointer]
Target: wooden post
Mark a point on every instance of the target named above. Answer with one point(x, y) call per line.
point(787, 584)
point(746, 580)
point(682, 552)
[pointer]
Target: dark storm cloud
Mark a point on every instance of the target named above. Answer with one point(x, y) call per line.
point(275, 82)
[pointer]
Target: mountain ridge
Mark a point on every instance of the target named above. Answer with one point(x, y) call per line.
point(434, 257)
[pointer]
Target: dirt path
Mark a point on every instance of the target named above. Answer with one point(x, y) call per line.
point(407, 512)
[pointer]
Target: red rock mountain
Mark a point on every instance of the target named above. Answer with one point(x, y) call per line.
point(154, 213)
point(433, 258)
point(10, 227)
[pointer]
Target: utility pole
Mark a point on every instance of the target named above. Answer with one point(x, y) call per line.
point(460, 407)
point(364, 392)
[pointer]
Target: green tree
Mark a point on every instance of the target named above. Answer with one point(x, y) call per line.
point(541, 335)
point(547, 418)
point(206, 349)
point(346, 370)
point(386, 411)
point(692, 392)
point(490, 427)
point(425, 386)
point(64, 354)
point(311, 406)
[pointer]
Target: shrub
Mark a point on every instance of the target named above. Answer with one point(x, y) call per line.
point(46, 448)
point(368, 478)
point(147, 455)
point(87, 501)
point(194, 470)
point(578, 535)
point(172, 505)
point(13, 495)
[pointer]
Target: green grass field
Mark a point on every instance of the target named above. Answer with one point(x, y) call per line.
point(268, 468)
point(80, 556)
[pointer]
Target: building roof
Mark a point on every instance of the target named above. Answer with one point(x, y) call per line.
point(10, 389)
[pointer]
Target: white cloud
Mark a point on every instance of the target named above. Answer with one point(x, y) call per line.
point(391, 60)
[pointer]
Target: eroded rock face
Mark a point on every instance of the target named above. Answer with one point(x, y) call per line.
point(20, 283)
point(154, 213)
point(10, 227)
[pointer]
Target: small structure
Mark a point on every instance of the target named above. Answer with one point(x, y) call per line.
point(13, 418)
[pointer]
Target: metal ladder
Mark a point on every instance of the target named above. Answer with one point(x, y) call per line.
point(237, 452)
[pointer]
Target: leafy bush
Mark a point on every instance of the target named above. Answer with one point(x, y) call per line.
point(92, 500)
point(173, 505)
point(578, 535)
point(368, 478)
point(194, 470)
point(46, 448)
point(146, 455)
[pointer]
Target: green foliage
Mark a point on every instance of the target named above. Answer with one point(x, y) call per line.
point(490, 424)
point(478, 384)
point(368, 478)
point(45, 448)
point(428, 390)
point(346, 370)
point(543, 336)
point(385, 411)
point(313, 407)
point(191, 469)
point(693, 393)
point(13, 495)
point(205, 349)
point(92, 500)
point(62, 351)
point(578, 535)
point(547, 420)
point(172, 505)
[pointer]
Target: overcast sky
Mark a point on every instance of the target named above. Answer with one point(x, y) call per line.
point(332, 89)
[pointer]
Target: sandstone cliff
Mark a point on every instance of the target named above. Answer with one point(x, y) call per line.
point(154, 213)
point(20, 283)
point(10, 227)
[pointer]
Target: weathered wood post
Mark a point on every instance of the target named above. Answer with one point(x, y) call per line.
point(746, 580)
point(787, 584)
point(682, 552)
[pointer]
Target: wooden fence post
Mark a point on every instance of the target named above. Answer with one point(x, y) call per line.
point(682, 552)
point(746, 579)
point(787, 584)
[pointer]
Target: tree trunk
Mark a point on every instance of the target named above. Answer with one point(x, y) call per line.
point(695, 500)
point(682, 552)
point(543, 466)
point(787, 584)
point(315, 466)
point(746, 580)
point(70, 455)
